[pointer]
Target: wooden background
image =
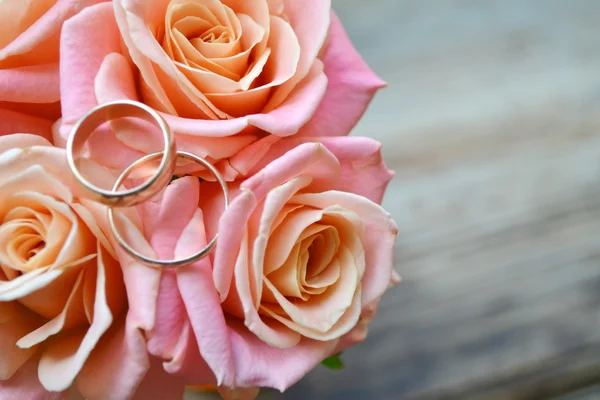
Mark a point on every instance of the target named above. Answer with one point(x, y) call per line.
point(492, 123)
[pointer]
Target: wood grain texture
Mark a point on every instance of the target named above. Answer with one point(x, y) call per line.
point(492, 122)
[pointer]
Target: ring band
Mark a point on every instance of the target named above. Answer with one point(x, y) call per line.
point(114, 110)
point(166, 263)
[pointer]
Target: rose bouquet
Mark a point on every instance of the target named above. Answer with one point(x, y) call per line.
point(264, 92)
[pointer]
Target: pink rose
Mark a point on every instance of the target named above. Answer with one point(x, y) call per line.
point(302, 251)
point(222, 72)
point(29, 43)
point(64, 318)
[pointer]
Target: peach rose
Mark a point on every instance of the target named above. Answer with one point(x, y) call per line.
point(63, 305)
point(223, 73)
point(29, 77)
point(303, 250)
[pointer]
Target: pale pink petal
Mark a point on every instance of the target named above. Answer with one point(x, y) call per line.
point(275, 7)
point(363, 170)
point(352, 85)
point(38, 44)
point(14, 122)
point(379, 239)
point(312, 159)
point(115, 80)
point(142, 281)
point(95, 25)
point(231, 232)
point(25, 385)
point(102, 377)
point(202, 303)
point(165, 218)
point(259, 365)
point(32, 84)
point(186, 361)
point(170, 318)
point(253, 154)
point(154, 14)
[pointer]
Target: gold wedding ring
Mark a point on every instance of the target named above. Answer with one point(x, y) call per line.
point(166, 263)
point(110, 111)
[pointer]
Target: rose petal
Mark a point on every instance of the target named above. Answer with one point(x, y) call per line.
point(25, 384)
point(352, 85)
point(38, 44)
point(363, 169)
point(274, 202)
point(280, 68)
point(343, 325)
point(230, 237)
point(158, 384)
point(62, 361)
point(144, 51)
point(142, 282)
point(310, 20)
point(249, 298)
point(311, 159)
point(170, 316)
point(21, 140)
point(297, 108)
point(102, 377)
point(379, 239)
point(186, 361)
point(32, 84)
point(261, 365)
point(72, 315)
point(15, 322)
point(95, 25)
point(359, 333)
point(202, 303)
point(320, 313)
point(12, 122)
